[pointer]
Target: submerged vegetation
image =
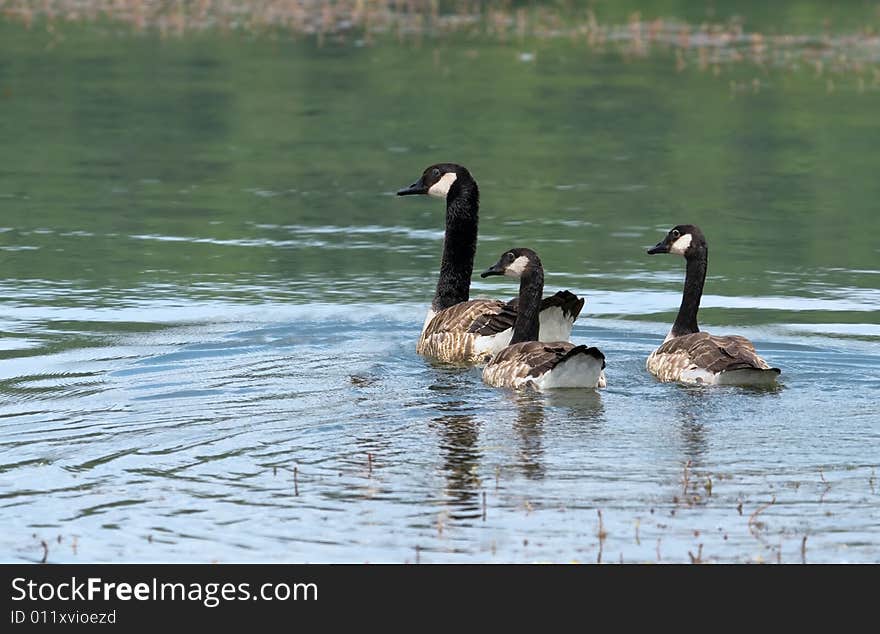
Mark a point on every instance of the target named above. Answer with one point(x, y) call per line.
point(696, 34)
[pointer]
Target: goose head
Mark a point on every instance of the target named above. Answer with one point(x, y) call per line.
point(514, 263)
point(684, 240)
point(436, 180)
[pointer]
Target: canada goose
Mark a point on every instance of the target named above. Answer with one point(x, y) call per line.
point(691, 356)
point(457, 329)
point(527, 361)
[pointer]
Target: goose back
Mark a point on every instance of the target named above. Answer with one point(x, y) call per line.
point(472, 332)
point(448, 336)
point(545, 366)
point(702, 358)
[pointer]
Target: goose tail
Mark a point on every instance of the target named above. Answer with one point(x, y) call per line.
point(748, 376)
point(558, 314)
point(580, 367)
point(570, 304)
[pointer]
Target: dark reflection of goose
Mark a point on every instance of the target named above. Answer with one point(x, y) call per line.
point(583, 407)
point(529, 426)
point(691, 411)
point(459, 438)
point(695, 407)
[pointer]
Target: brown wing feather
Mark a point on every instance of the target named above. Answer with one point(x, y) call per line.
point(449, 336)
point(531, 359)
point(491, 323)
point(716, 353)
point(461, 317)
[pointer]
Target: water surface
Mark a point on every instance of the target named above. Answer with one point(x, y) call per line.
point(211, 297)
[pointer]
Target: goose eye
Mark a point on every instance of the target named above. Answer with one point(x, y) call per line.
point(435, 173)
point(675, 233)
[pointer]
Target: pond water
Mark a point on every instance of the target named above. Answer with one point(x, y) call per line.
point(211, 298)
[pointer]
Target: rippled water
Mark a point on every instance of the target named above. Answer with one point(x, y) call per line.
point(211, 297)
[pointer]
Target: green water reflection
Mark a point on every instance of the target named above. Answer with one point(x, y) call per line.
point(216, 164)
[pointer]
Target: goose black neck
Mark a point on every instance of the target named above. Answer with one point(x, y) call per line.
point(531, 288)
point(459, 243)
point(686, 322)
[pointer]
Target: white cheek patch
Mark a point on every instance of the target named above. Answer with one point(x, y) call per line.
point(681, 245)
point(441, 187)
point(517, 267)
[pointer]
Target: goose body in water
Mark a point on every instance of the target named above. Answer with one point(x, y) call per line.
point(689, 355)
point(527, 362)
point(457, 328)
